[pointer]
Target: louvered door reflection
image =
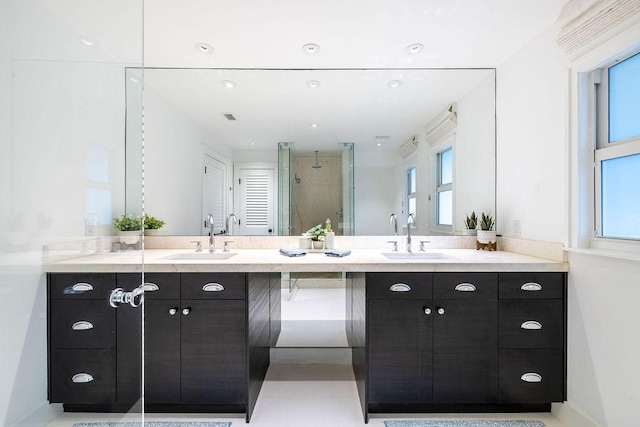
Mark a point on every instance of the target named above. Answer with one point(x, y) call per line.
point(256, 201)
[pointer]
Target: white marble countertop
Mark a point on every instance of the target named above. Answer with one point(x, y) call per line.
point(270, 260)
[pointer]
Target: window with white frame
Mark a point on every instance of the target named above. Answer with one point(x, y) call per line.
point(617, 149)
point(444, 188)
point(411, 191)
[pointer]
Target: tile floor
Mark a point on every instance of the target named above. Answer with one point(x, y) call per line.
point(306, 395)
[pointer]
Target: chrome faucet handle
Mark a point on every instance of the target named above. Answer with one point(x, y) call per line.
point(422, 242)
point(198, 245)
point(225, 248)
point(395, 245)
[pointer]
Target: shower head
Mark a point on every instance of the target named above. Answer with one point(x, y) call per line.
point(316, 166)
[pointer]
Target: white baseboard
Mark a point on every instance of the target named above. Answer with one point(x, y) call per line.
point(571, 416)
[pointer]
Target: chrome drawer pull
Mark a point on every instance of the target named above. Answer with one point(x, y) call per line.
point(531, 286)
point(78, 288)
point(531, 325)
point(213, 287)
point(150, 287)
point(531, 377)
point(82, 378)
point(466, 287)
point(400, 287)
point(82, 325)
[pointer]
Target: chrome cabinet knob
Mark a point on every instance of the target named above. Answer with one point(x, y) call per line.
point(440, 310)
point(186, 311)
point(427, 311)
point(173, 311)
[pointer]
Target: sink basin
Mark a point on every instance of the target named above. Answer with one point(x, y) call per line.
point(415, 255)
point(201, 256)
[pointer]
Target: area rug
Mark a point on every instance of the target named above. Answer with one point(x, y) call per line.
point(158, 424)
point(464, 423)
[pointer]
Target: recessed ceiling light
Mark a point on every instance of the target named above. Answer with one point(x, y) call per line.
point(394, 84)
point(229, 84)
point(414, 49)
point(314, 125)
point(203, 48)
point(252, 143)
point(379, 144)
point(311, 49)
point(382, 137)
point(313, 84)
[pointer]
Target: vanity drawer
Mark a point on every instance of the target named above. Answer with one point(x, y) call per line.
point(157, 285)
point(399, 285)
point(543, 369)
point(213, 285)
point(82, 324)
point(465, 285)
point(81, 285)
point(531, 323)
point(83, 376)
point(532, 285)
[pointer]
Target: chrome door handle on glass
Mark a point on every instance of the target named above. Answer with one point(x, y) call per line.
point(119, 296)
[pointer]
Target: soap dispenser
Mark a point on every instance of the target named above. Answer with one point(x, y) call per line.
point(329, 238)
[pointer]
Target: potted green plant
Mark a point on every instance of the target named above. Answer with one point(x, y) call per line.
point(470, 225)
point(317, 234)
point(152, 225)
point(128, 228)
point(486, 234)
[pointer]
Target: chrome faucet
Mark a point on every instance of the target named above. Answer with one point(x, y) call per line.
point(229, 218)
point(411, 219)
point(394, 221)
point(212, 241)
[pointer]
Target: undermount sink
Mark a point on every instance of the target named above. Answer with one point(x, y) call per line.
point(415, 255)
point(204, 256)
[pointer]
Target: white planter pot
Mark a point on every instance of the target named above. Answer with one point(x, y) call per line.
point(486, 236)
point(151, 231)
point(469, 232)
point(129, 237)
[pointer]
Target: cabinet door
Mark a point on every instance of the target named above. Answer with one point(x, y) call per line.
point(400, 353)
point(162, 351)
point(213, 368)
point(465, 347)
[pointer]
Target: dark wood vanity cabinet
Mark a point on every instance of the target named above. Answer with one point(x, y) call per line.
point(460, 341)
point(206, 341)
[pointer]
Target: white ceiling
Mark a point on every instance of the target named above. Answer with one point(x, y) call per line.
point(351, 106)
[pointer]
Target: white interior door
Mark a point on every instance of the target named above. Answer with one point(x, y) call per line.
point(214, 196)
point(255, 199)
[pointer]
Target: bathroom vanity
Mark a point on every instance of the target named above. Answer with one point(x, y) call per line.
point(459, 331)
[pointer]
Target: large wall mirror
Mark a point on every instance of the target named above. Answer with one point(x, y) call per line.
point(205, 130)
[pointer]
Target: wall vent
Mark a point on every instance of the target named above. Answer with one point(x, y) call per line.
point(229, 116)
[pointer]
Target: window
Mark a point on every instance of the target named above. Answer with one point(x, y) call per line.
point(617, 153)
point(411, 191)
point(444, 188)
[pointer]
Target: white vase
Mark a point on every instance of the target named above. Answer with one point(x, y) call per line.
point(129, 237)
point(318, 244)
point(151, 231)
point(486, 236)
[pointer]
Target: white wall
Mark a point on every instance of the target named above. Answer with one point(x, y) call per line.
point(60, 100)
point(532, 129)
point(533, 181)
point(174, 146)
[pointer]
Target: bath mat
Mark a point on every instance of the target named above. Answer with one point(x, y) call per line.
point(464, 423)
point(158, 424)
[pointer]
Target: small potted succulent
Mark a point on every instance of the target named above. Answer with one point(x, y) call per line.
point(470, 225)
point(317, 235)
point(486, 233)
point(129, 228)
point(152, 225)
